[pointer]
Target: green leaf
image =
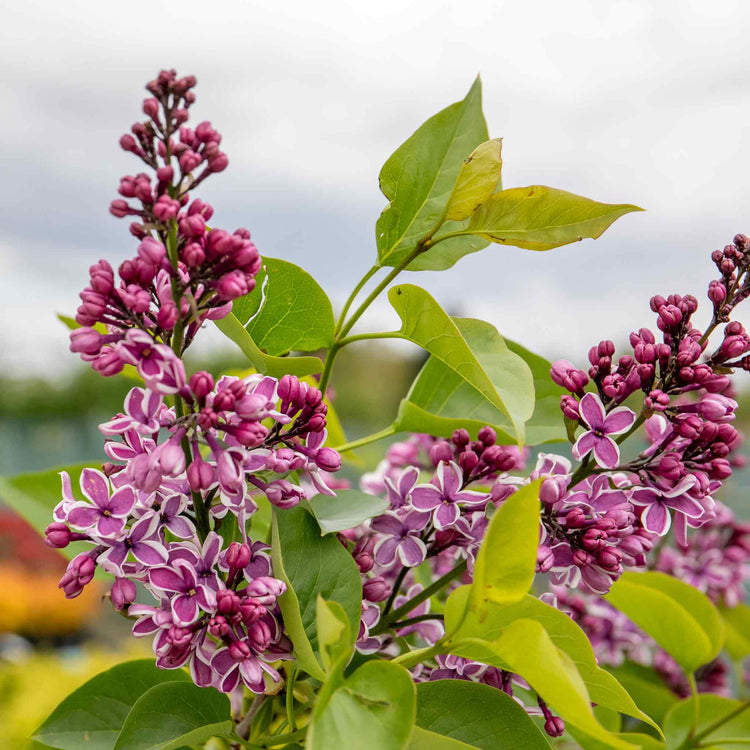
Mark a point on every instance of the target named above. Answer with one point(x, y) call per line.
point(712, 708)
point(646, 687)
point(418, 178)
point(524, 647)
point(421, 739)
point(92, 716)
point(477, 180)
point(542, 218)
point(603, 688)
point(311, 565)
point(35, 495)
point(506, 561)
point(246, 307)
point(334, 635)
point(737, 626)
point(173, 715)
point(345, 510)
point(425, 323)
point(443, 393)
point(677, 616)
point(479, 715)
point(440, 401)
point(296, 314)
point(265, 363)
point(374, 708)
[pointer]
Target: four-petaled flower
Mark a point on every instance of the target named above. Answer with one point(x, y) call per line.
point(601, 426)
point(401, 538)
point(444, 495)
point(106, 517)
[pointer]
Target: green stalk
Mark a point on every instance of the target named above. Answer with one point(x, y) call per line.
point(394, 616)
point(367, 439)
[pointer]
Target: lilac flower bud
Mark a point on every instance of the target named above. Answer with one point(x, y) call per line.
point(468, 461)
point(218, 626)
point(554, 726)
point(569, 406)
point(671, 466)
point(250, 434)
point(487, 435)
point(594, 539)
point(670, 317)
point(218, 163)
point(716, 408)
point(568, 376)
point(193, 254)
point(239, 650)
point(127, 143)
point(717, 292)
point(166, 208)
point(85, 341)
point(201, 384)
point(441, 451)
point(460, 438)
point(609, 558)
point(119, 208)
point(720, 469)
point(151, 108)
point(544, 559)
point(742, 242)
point(152, 250)
point(576, 518)
point(232, 285)
point(657, 401)
point(200, 475)
point(238, 556)
point(79, 573)
point(57, 535)
point(376, 589)
point(687, 425)
point(328, 459)
point(108, 363)
point(581, 558)
point(122, 593)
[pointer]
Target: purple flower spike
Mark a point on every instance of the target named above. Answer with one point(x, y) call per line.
point(601, 426)
point(444, 495)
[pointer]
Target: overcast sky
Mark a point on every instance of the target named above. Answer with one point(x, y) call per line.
point(628, 102)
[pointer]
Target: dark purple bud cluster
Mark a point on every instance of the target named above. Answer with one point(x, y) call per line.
point(478, 459)
point(184, 272)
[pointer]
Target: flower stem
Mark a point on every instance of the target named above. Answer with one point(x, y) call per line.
point(367, 439)
point(387, 620)
point(350, 301)
point(412, 658)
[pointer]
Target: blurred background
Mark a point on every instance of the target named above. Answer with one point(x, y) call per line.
point(625, 101)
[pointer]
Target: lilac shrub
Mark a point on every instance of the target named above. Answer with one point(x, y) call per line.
point(467, 570)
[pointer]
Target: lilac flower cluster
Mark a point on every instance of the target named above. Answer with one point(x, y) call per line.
point(148, 516)
point(189, 457)
point(184, 272)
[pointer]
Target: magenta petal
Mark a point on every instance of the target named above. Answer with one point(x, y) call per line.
point(619, 420)
point(122, 501)
point(426, 497)
point(83, 517)
point(222, 662)
point(134, 404)
point(606, 453)
point(251, 672)
point(685, 504)
point(387, 524)
point(385, 551)
point(230, 682)
point(150, 553)
point(592, 411)
point(446, 515)
point(450, 477)
point(166, 579)
point(412, 552)
point(416, 521)
point(109, 526)
point(644, 496)
point(597, 580)
point(181, 527)
point(95, 486)
point(114, 557)
point(584, 445)
point(656, 519)
point(185, 609)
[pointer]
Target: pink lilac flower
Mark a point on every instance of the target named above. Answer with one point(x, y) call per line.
point(601, 426)
point(105, 517)
point(400, 538)
point(444, 495)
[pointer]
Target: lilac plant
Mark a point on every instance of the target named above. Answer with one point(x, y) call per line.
point(469, 569)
